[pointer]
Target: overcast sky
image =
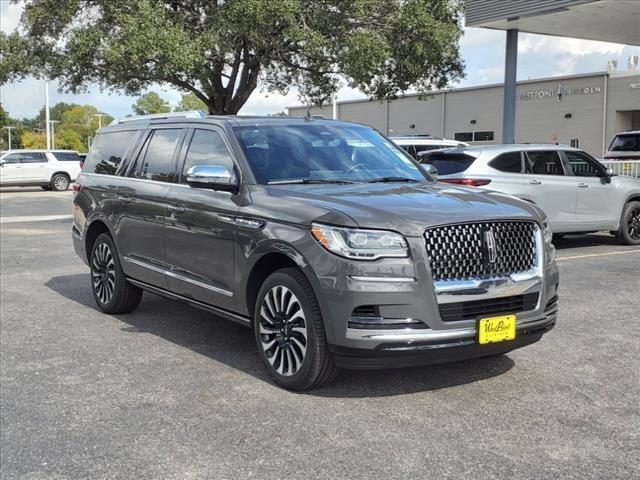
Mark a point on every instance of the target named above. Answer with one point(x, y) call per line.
point(482, 50)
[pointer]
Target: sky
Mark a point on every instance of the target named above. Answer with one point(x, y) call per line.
point(482, 50)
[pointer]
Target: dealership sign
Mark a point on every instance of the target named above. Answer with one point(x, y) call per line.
point(559, 92)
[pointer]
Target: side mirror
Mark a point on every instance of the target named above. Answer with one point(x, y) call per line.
point(216, 177)
point(609, 172)
point(430, 170)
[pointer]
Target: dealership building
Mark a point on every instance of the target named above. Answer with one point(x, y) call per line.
point(585, 111)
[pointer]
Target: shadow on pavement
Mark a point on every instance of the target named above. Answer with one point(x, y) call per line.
point(588, 240)
point(233, 345)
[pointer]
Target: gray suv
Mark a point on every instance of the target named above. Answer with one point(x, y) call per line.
point(332, 243)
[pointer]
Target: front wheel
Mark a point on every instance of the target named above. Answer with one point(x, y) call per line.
point(112, 292)
point(629, 232)
point(290, 334)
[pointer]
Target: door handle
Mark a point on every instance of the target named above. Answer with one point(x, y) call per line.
point(535, 182)
point(583, 185)
point(126, 199)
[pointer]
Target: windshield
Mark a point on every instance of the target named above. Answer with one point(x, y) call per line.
point(321, 153)
point(626, 143)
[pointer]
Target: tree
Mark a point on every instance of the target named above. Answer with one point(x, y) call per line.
point(190, 102)
point(33, 140)
point(219, 50)
point(70, 140)
point(82, 121)
point(151, 103)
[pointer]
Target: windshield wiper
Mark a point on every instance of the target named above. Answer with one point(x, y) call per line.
point(393, 179)
point(307, 181)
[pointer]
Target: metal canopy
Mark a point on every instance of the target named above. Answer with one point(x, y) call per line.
point(616, 21)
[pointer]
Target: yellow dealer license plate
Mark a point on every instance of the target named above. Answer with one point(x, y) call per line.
point(496, 329)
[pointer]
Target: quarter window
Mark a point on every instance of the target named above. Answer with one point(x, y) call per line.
point(158, 163)
point(207, 148)
point(543, 163)
point(107, 151)
point(66, 156)
point(510, 162)
point(583, 166)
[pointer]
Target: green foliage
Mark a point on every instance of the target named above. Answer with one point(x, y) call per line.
point(70, 140)
point(218, 50)
point(33, 140)
point(82, 120)
point(151, 103)
point(190, 102)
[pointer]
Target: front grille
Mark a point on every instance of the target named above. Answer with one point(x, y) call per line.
point(453, 312)
point(460, 252)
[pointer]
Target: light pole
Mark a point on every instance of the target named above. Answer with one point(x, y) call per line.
point(99, 115)
point(46, 114)
point(9, 130)
point(53, 130)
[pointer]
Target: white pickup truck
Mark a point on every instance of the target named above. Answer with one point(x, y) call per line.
point(49, 169)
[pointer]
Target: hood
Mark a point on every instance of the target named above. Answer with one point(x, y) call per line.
point(409, 208)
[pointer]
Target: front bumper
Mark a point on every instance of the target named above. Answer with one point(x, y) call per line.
point(402, 289)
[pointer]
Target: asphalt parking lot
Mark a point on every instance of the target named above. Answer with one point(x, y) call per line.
point(172, 392)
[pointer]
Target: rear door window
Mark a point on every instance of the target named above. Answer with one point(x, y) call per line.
point(510, 162)
point(448, 163)
point(32, 157)
point(543, 163)
point(107, 152)
point(159, 154)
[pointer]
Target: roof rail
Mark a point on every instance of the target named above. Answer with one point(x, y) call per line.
point(160, 116)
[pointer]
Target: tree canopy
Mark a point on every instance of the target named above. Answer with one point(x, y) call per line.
point(221, 50)
point(190, 102)
point(150, 103)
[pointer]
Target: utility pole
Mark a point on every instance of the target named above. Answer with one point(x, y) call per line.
point(99, 115)
point(9, 130)
point(53, 130)
point(47, 125)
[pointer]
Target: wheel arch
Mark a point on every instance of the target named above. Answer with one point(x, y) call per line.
point(95, 229)
point(268, 260)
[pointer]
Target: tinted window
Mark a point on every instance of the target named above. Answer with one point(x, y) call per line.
point(158, 156)
point(207, 148)
point(543, 163)
point(26, 157)
point(409, 149)
point(626, 143)
point(107, 151)
point(323, 151)
point(584, 166)
point(507, 162)
point(12, 158)
point(66, 156)
point(463, 136)
point(448, 163)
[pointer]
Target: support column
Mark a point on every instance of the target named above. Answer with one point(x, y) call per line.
point(509, 103)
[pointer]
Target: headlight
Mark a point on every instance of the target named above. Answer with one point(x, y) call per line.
point(360, 244)
point(547, 234)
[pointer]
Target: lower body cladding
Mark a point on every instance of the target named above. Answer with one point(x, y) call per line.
point(393, 315)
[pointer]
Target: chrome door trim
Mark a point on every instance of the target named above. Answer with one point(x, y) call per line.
point(173, 274)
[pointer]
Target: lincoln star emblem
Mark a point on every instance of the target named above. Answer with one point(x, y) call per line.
point(490, 248)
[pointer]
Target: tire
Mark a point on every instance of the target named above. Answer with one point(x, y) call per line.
point(291, 341)
point(112, 292)
point(60, 182)
point(629, 233)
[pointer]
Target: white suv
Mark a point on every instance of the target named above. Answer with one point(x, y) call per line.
point(49, 169)
point(577, 192)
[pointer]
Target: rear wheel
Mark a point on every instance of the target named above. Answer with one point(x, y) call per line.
point(629, 232)
point(112, 292)
point(60, 182)
point(289, 332)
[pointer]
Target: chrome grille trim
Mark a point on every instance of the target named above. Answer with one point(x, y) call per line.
point(456, 252)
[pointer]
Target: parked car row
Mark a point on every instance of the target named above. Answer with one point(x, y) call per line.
point(577, 193)
point(49, 169)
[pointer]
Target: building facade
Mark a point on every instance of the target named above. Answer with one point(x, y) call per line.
point(581, 110)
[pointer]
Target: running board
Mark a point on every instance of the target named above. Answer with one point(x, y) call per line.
point(234, 317)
